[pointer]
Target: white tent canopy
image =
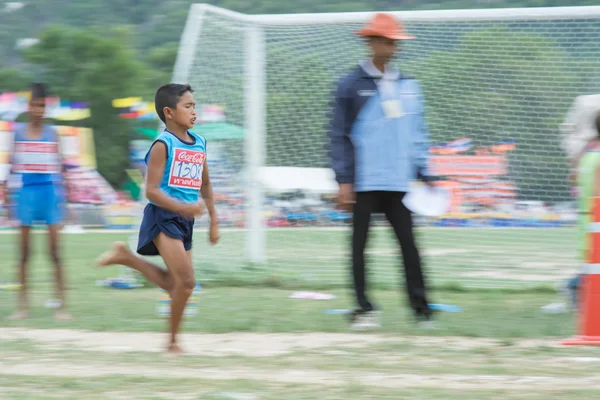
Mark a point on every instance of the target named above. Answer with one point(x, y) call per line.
point(289, 179)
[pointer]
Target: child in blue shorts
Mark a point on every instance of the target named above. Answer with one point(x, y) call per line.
point(176, 173)
point(36, 158)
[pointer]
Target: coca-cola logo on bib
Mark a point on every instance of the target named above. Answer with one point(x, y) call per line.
point(192, 157)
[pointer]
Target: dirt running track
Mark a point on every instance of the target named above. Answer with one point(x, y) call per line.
point(258, 345)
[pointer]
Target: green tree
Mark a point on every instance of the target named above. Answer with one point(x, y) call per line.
point(160, 61)
point(94, 66)
point(13, 80)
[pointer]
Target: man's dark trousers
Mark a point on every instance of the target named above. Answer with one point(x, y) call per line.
point(389, 203)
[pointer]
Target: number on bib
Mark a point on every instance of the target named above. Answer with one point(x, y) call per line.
point(186, 169)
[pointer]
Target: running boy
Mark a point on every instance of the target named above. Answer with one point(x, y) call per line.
point(177, 171)
point(36, 158)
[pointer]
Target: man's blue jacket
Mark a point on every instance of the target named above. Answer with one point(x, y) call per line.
point(372, 149)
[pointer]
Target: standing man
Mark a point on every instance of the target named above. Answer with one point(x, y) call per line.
point(379, 143)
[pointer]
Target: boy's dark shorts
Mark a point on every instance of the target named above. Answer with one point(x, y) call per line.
point(158, 220)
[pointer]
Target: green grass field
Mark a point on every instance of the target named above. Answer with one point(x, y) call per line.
point(316, 257)
point(517, 258)
point(454, 257)
point(253, 342)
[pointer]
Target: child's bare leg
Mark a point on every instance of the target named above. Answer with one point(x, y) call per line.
point(23, 305)
point(121, 255)
point(53, 235)
point(184, 282)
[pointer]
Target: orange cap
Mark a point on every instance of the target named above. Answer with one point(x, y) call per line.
point(384, 25)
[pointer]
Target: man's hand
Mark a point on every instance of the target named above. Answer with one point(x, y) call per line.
point(346, 197)
point(213, 233)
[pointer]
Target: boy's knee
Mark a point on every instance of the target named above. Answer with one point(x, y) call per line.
point(186, 281)
point(189, 283)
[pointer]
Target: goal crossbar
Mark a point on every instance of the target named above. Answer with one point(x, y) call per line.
point(481, 15)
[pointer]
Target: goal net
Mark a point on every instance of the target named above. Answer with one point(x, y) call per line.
point(497, 83)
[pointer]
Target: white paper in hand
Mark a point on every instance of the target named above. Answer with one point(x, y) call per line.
point(426, 201)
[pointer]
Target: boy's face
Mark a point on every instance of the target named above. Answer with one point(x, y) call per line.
point(185, 113)
point(37, 108)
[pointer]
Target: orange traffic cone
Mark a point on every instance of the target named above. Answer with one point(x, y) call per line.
point(589, 291)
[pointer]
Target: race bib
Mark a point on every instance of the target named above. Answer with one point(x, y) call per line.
point(36, 158)
point(186, 169)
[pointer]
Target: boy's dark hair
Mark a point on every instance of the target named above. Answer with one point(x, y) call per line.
point(39, 91)
point(598, 123)
point(168, 96)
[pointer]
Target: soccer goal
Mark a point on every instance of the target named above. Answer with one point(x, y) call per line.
point(497, 83)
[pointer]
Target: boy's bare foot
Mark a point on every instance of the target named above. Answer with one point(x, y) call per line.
point(174, 349)
point(21, 314)
point(115, 256)
point(62, 315)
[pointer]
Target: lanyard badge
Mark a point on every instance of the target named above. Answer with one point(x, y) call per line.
point(392, 106)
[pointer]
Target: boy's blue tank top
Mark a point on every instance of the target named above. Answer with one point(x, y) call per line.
point(36, 160)
point(182, 178)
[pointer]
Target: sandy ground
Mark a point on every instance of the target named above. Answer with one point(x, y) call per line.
point(269, 345)
point(245, 344)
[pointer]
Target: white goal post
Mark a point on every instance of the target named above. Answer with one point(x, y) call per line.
point(499, 77)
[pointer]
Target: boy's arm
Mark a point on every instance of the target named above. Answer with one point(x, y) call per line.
point(157, 159)
point(63, 164)
point(6, 199)
point(61, 157)
point(63, 177)
point(207, 194)
point(4, 184)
